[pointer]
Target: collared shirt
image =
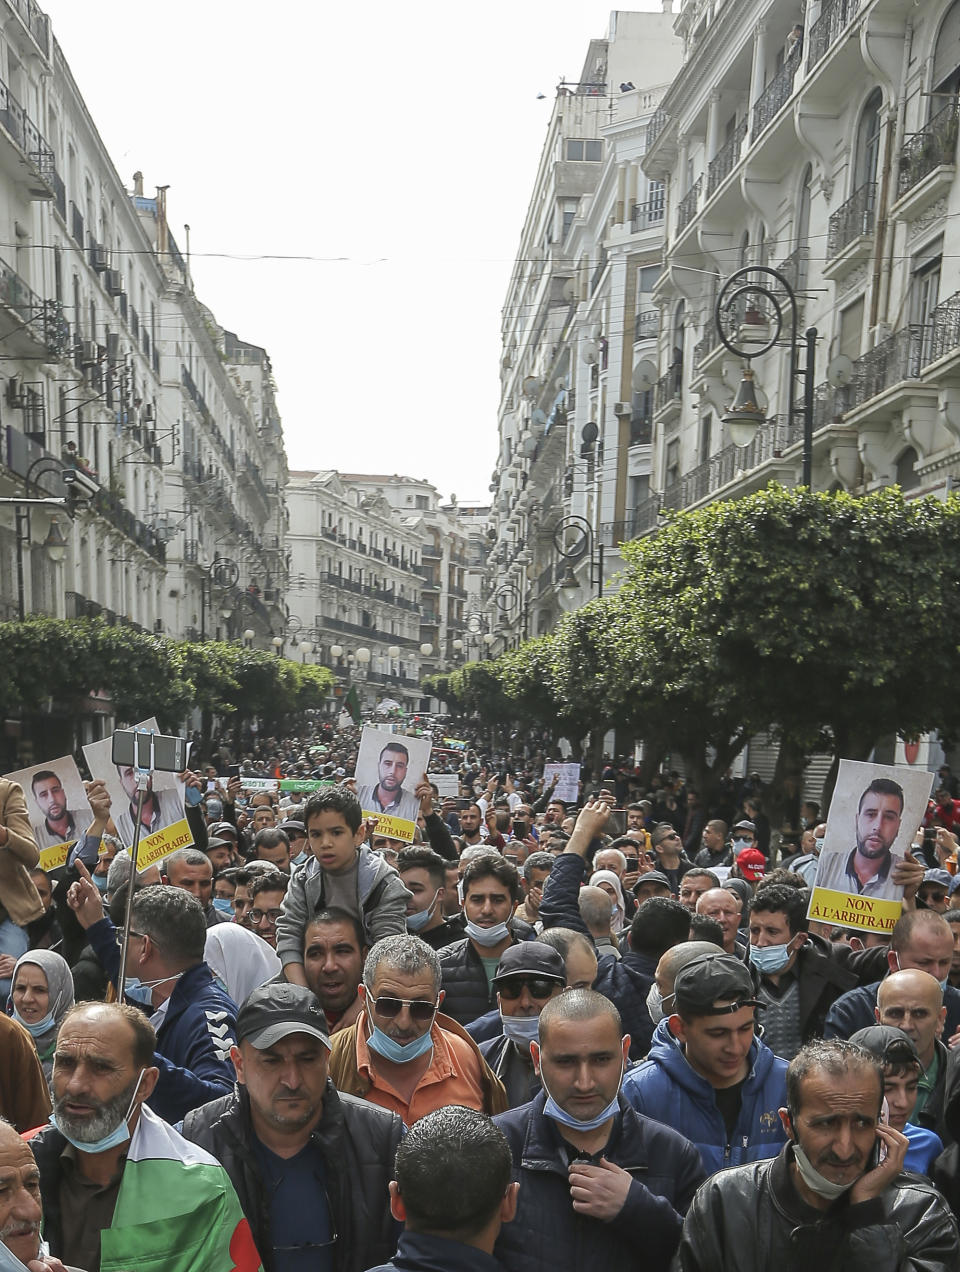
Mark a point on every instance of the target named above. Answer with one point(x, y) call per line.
point(47, 837)
point(927, 1084)
point(837, 872)
point(405, 804)
point(452, 1078)
point(86, 1209)
point(165, 808)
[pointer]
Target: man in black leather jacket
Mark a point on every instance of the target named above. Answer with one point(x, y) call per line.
point(825, 1202)
point(310, 1166)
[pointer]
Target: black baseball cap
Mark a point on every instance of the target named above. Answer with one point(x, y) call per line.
point(273, 1012)
point(888, 1043)
point(712, 979)
point(223, 828)
point(531, 958)
point(293, 824)
point(652, 876)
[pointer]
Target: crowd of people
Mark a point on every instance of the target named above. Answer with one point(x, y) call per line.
point(601, 1034)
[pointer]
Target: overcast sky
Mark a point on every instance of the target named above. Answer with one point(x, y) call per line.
point(394, 146)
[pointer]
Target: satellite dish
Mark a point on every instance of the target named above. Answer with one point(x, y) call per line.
point(590, 352)
point(590, 432)
point(539, 417)
point(570, 290)
point(560, 383)
point(840, 371)
point(644, 376)
point(531, 386)
point(527, 447)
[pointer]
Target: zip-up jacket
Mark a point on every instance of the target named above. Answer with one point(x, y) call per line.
point(468, 992)
point(665, 1086)
point(548, 1232)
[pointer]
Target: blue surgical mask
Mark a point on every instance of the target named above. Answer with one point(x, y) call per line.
point(300, 858)
point(35, 1030)
point(487, 936)
point(770, 959)
point(139, 991)
point(417, 922)
point(818, 846)
point(398, 1052)
point(521, 1029)
point(100, 881)
point(192, 797)
point(223, 904)
point(119, 1135)
point(552, 1109)
point(740, 844)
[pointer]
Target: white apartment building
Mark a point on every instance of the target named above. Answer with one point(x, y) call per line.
point(357, 588)
point(112, 370)
point(821, 142)
point(575, 439)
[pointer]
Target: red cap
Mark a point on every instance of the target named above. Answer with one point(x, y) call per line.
point(752, 864)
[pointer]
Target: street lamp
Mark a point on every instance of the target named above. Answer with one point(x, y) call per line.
point(305, 647)
point(363, 655)
point(426, 649)
point(744, 415)
point(248, 636)
point(277, 643)
point(580, 547)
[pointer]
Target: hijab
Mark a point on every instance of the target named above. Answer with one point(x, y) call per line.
point(241, 960)
point(59, 988)
point(620, 909)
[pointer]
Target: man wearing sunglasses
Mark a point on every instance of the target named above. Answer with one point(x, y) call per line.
point(528, 976)
point(402, 1053)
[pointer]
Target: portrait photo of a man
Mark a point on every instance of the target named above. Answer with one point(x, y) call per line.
point(161, 808)
point(387, 795)
point(866, 869)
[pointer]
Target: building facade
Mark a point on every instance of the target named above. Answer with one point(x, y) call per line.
point(575, 436)
point(119, 389)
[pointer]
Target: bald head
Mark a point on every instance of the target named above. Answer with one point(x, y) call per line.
point(676, 959)
point(912, 1000)
point(725, 907)
point(596, 910)
point(579, 1005)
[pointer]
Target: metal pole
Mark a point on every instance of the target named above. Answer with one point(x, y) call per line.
point(22, 516)
point(808, 369)
point(600, 570)
point(143, 777)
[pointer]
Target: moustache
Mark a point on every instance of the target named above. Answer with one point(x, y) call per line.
point(19, 1228)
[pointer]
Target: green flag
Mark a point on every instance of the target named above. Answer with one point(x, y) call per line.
point(176, 1210)
point(352, 704)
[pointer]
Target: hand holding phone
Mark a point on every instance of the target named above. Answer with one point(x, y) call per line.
point(884, 1165)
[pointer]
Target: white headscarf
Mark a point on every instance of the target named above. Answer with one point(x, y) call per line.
point(240, 959)
point(618, 917)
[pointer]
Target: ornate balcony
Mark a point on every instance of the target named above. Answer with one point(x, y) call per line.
point(833, 18)
point(725, 160)
point(777, 93)
point(850, 230)
point(687, 207)
point(928, 163)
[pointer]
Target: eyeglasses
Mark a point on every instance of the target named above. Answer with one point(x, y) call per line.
point(270, 915)
point(139, 935)
point(537, 987)
point(389, 1008)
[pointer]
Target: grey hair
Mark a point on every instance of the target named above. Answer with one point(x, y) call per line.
point(407, 954)
point(623, 860)
point(184, 857)
point(596, 909)
point(477, 850)
point(118, 871)
point(537, 861)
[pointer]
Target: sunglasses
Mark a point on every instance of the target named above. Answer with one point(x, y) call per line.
point(537, 987)
point(389, 1008)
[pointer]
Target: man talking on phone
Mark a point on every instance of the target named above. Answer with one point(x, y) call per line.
point(835, 1197)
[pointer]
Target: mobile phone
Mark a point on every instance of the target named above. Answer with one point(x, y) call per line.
point(233, 770)
point(609, 786)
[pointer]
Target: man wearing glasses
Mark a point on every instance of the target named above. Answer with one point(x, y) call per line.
point(402, 1053)
point(310, 1166)
point(528, 976)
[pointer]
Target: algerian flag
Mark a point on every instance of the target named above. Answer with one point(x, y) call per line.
point(176, 1210)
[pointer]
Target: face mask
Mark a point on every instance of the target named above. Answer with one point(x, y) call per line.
point(139, 991)
point(119, 1135)
point(740, 844)
point(552, 1109)
point(816, 1182)
point(487, 936)
point(100, 881)
point(944, 983)
point(397, 1052)
point(655, 1003)
point(818, 846)
point(521, 1029)
point(223, 904)
point(300, 858)
point(417, 922)
point(40, 1028)
point(770, 959)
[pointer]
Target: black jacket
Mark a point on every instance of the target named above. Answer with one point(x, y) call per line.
point(468, 993)
point(824, 973)
point(47, 1146)
point(751, 1219)
point(358, 1142)
point(548, 1233)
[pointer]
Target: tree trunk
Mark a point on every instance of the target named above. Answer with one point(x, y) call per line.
point(783, 795)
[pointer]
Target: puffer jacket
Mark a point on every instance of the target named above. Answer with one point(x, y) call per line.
point(548, 1232)
point(358, 1142)
point(665, 1086)
point(468, 993)
point(751, 1219)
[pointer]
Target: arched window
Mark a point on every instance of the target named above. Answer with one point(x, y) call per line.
point(945, 80)
point(907, 478)
point(867, 152)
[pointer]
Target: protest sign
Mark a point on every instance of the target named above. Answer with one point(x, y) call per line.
point(164, 826)
point(874, 815)
point(57, 807)
point(388, 770)
point(568, 780)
